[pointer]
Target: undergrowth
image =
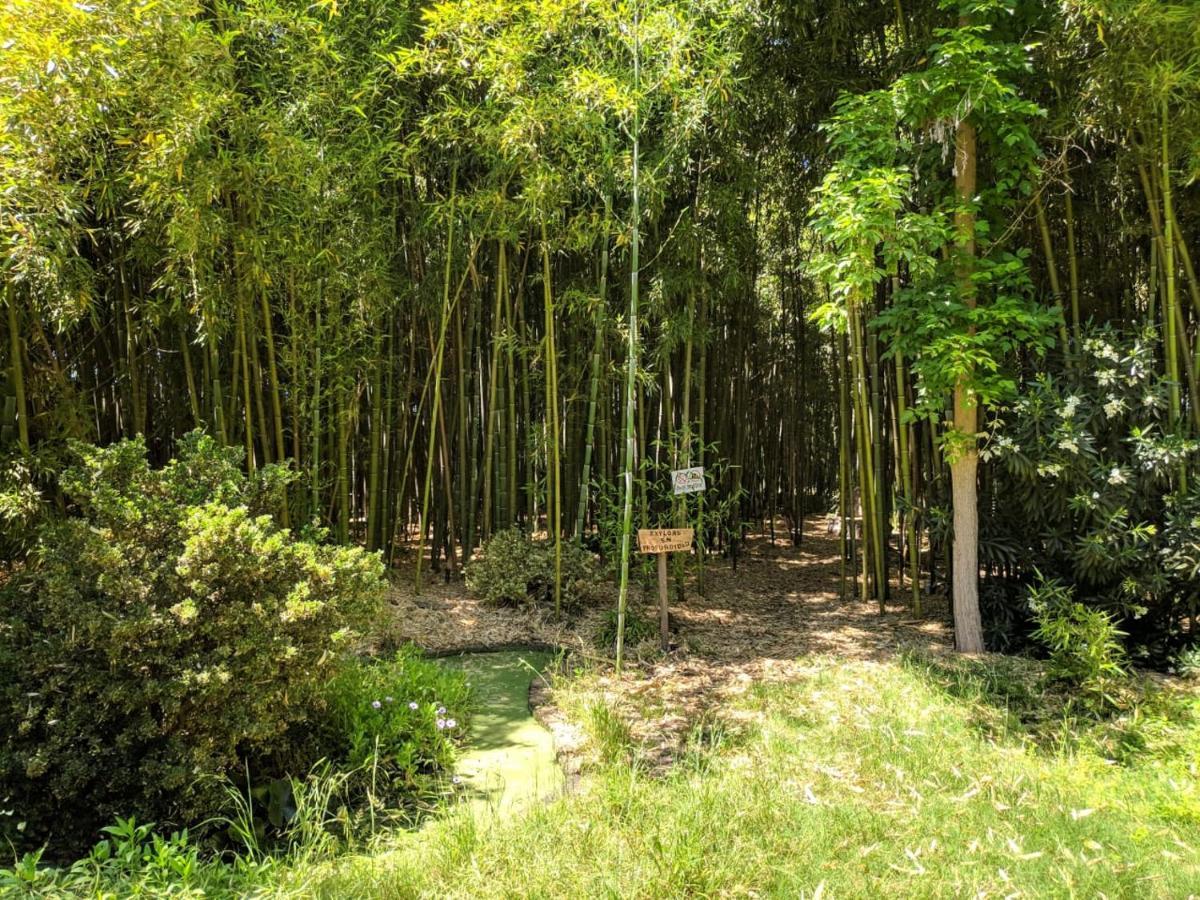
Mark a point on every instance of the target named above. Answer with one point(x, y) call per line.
point(921, 777)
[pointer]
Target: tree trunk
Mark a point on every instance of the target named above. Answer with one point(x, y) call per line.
point(964, 458)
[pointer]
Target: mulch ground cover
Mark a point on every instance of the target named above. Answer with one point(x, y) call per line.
point(752, 624)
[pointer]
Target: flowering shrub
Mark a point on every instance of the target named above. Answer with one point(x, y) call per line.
point(396, 723)
point(160, 637)
point(1085, 484)
point(512, 568)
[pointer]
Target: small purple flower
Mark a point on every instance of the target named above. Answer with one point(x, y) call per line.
point(441, 723)
point(376, 704)
point(387, 699)
point(441, 710)
point(456, 780)
point(413, 705)
point(451, 723)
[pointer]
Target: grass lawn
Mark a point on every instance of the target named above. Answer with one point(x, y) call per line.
point(864, 779)
point(918, 776)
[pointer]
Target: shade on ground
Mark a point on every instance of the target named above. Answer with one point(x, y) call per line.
point(509, 760)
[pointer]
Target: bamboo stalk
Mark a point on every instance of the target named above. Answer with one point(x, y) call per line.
point(554, 472)
point(594, 380)
point(18, 369)
point(493, 386)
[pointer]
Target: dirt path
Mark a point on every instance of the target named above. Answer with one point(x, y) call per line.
point(751, 625)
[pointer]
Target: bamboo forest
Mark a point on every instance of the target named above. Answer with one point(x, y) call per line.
point(600, 448)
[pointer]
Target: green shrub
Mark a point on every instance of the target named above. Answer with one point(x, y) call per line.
point(1186, 663)
point(637, 629)
point(1085, 465)
point(513, 569)
point(396, 724)
point(1084, 643)
point(21, 503)
point(166, 635)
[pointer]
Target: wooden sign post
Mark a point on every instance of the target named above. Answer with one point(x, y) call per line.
point(663, 541)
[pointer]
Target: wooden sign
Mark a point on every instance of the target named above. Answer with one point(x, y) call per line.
point(688, 481)
point(665, 540)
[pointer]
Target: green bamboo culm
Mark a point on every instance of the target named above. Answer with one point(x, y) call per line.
point(554, 474)
point(489, 440)
point(632, 360)
point(18, 369)
point(594, 379)
point(1171, 315)
point(906, 484)
point(437, 382)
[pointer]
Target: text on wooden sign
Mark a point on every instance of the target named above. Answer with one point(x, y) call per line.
point(665, 540)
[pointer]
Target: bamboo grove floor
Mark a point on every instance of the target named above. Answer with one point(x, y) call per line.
point(750, 625)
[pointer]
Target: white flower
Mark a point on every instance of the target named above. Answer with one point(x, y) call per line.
point(1114, 407)
point(1069, 407)
point(1116, 476)
point(1106, 377)
point(1069, 445)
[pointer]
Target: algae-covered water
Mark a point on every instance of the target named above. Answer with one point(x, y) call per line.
point(509, 759)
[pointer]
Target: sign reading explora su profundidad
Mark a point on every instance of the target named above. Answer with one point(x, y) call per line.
point(665, 540)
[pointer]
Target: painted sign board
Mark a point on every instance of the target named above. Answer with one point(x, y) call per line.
point(688, 481)
point(665, 540)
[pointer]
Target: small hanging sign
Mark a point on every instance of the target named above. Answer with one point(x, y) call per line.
point(688, 481)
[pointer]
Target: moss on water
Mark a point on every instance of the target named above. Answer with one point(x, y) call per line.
point(509, 761)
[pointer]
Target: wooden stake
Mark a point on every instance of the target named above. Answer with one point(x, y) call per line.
point(663, 615)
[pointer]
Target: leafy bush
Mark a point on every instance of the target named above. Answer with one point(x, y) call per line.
point(1084, 643)
point(513, 569)
point(1186, 663)
point(396, 724)
point(1085, 468)
point(637, 629)
point(131, 860)
point(164, 636)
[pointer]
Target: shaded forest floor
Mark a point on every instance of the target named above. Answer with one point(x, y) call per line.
point(751, 625)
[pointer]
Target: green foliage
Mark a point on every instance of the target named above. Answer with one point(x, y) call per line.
point(21, 505)
point(562, 98)
point(609, 733)
point(1004, 816)
point(1085, 645)
point(799, 777)
point(132, 859)
point(1084, 462)
point(164, 635)
point(1186, 663)
point(876, 218)
point(712, 512)
point(395, 724)
point(637, 629)
point(511, 568)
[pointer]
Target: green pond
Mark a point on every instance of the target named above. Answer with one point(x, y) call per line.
point(509, 759)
